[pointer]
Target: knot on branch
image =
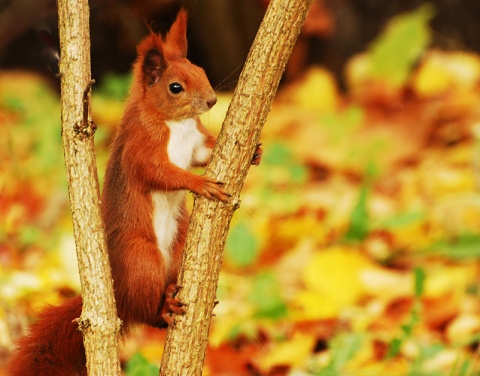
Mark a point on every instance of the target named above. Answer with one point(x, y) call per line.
point(86, 128)
point(111, 326)
point(83, 324)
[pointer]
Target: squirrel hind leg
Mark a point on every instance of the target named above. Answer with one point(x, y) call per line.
point(139, 280)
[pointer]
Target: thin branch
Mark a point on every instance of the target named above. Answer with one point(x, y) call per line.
point(98, 322)
point(186, 343)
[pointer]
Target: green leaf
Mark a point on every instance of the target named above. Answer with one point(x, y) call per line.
point(13, 104)
point(398, 48)
point(419, 282)
point(358, 228)
point(280, 158)
point(139, 366)
point(242, 246)
point(115, 86)
point(426, 353)
point(247, 329)
point(280, 201)
point(465, 246)
point(298, 174)
point(394, 348)
point(29, 234)
point(343, 348)
point(278, 154)
point(402, 220)
point(359, 219)
point(409, 326)
point(339, 125)
point(460, 369)
point(266, 297)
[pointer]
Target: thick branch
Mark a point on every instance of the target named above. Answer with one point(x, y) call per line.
point(99, 322)
point(186, 343)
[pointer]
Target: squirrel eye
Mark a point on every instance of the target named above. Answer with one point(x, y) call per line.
point(175, 88)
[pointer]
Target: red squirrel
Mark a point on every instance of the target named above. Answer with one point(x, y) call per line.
point(143, 202)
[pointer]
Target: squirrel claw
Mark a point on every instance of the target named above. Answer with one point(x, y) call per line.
point(172, 305)
point(214, 189)
point(257, 156)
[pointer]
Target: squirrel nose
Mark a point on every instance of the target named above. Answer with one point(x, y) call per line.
point(211, 101)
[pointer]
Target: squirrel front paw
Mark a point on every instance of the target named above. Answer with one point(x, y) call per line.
point(212, 189)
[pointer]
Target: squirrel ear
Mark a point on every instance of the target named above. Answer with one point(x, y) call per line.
point(177, 35)
point(153, 65)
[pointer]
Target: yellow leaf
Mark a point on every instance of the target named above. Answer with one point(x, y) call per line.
point(332, 281)
point(443, 362)
point(358, 70)
point(225, 325)
point(463, 328)
point(294, 228)
point(317, 91)
point(412, 236)
point(335, 272)
point(440, 71)
point(363, 356)
point(449, 280)
point(293, 352)
point(107, 111)
point(446, 179)
point(310, 305)
point(387, 284)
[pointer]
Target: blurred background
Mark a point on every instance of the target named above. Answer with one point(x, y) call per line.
point(334, 31)
point(356, 248)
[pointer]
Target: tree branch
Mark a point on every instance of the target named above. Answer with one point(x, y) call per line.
point(186, 343)
point(98, 322)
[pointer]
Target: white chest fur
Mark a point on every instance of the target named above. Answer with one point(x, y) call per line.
point(184, 143)
point(166, 209)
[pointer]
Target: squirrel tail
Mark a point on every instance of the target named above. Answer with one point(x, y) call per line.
point(53, 346)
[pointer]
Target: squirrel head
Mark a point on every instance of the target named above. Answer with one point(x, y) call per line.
point(168, 82)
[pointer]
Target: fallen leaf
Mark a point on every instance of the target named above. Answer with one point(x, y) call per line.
point(292, 352)
point(332, 281)
point(463, 328)
point(317, 91)
point(386, 284)
point(442, 71)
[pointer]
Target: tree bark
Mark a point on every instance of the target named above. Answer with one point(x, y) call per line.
point(186, 343)
point(98, 322)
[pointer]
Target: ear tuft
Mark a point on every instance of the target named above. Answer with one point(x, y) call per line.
point(177, 35)
point(153, 65)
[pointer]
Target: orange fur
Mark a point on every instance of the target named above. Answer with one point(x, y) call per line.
point(140, 178)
